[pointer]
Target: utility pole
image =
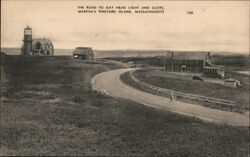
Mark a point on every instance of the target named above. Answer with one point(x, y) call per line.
point(172, 61)
point(165, 62)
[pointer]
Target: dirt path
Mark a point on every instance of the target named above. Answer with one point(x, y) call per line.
point(110, 83)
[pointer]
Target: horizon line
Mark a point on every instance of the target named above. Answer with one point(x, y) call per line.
point(153, 49)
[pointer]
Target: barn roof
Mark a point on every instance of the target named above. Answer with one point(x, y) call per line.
point(83, 50)
point(191, 55)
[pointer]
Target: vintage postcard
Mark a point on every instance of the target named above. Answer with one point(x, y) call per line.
point(124, 78)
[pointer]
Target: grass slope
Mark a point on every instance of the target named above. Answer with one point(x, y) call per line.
point(48, 108)
point(162, 79)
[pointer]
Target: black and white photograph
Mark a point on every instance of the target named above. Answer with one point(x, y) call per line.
point(125, 78)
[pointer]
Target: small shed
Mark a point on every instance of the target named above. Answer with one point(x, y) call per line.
point(84, 53)
point(231, 83)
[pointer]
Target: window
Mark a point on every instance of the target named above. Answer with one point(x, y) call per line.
point(196, 69)
point(28, 32)
point(168, 68)
point(178, 68)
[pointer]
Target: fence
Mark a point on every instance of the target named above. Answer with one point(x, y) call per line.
point(186, 95)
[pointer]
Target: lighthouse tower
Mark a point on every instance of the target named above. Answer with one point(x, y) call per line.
point(27, 41)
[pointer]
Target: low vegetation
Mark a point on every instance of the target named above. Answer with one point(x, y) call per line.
point(48, 108)
point(157, 61)
point(239, 61)
point(163, 79)
point(232, 63)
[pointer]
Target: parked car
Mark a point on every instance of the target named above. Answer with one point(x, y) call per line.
point(197, 78)
point(227, 76)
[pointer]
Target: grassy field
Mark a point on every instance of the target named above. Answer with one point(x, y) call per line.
point(232, 63)
point(238, 61)
point(162, 79)
point(48, 108)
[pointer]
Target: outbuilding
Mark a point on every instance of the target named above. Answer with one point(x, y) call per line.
point(231, 83)
point(84, 53)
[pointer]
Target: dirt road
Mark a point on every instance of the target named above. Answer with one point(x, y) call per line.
point(110, 83)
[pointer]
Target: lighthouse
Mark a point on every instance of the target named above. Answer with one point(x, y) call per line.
point(36, 46)
point(27, 41)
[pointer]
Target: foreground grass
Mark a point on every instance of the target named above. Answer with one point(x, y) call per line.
point(48, 108)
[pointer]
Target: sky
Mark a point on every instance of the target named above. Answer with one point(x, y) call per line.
point(213, 26)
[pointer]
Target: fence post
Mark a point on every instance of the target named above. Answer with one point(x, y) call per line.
point(171, 96)
point(185, 95)
point(231, 108)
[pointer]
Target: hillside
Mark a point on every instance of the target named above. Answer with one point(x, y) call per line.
point(48, 108)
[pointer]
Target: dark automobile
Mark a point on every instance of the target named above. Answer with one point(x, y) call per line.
point(197, 78)
point(227, 76)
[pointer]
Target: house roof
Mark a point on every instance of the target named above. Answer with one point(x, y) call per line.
point(43, 41)
point(231, 80)
point(28, 27)
point(190, 55)
point(82, 50)
point(212, 67)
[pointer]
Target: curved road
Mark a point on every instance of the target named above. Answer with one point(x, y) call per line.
point(110, 83)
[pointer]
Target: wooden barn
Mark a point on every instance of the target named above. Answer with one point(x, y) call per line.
point(84, 53)
point(195, 62)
